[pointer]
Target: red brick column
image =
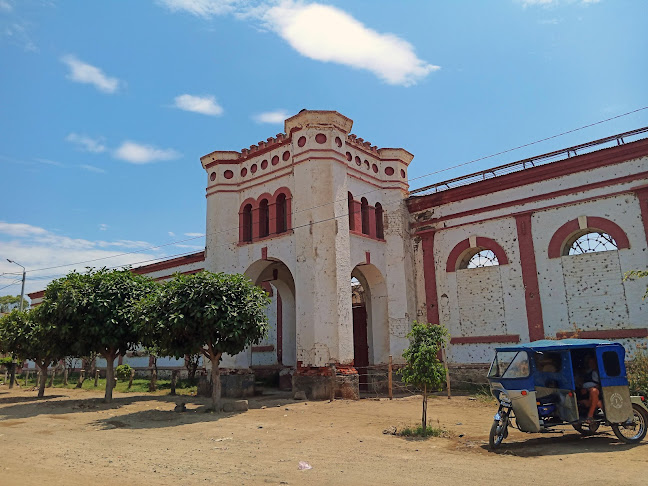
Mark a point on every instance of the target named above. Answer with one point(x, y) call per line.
point(530, 277)
point(372, 222)
point(429, 275)
point(642, 196)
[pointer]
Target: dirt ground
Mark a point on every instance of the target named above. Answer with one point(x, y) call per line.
point(73, 438)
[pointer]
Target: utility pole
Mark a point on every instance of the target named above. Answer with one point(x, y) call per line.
point(22, 300)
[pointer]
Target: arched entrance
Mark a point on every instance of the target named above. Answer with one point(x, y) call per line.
point(278, 351)
point(370, 320)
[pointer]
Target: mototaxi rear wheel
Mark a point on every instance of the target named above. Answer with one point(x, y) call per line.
point(635, 431)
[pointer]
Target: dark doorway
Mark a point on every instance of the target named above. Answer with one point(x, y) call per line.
point(360, 346)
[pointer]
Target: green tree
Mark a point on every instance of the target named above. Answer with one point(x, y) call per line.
point(10, 302)
point(28, 335)
point(208, 313)
point(96, 311)
point(424, 369)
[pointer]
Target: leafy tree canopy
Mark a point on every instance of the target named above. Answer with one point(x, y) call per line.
point(10, 302)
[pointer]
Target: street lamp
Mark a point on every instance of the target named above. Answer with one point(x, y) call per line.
point(22, 292)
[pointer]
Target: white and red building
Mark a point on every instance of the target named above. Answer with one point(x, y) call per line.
point(533, 249)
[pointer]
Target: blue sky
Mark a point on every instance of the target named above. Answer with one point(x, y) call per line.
point(106, 107)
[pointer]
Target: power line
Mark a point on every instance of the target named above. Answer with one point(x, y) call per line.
point(332, 202)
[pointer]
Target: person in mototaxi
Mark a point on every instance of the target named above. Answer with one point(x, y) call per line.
point(591, 388)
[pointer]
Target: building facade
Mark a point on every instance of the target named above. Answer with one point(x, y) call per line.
point(325, 222)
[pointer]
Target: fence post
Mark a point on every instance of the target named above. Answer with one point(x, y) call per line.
point(51, 381)
point(96, 383)
point(81, 379)
point(390, 382)
point(174, 379)
point(447, 371)
point(333, 381)
point(153, 383)
point(130, 382)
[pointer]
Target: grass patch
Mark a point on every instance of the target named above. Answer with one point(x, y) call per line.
point(483, 394)
point(140, 385)
point(424, 434)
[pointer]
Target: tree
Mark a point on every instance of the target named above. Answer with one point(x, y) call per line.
point(424, 369)
point(29, 336)
point(10, 302)
point(210, 313)
point(96, 311)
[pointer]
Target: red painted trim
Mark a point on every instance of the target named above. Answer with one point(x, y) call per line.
point(502, 338)
point(481, 242)
point(250, 155)
point(264, 253)
point(263, 349)
point(567, 230)
point(260, 180)
point(357, 233)
point(580, 163)
point(642, 197)
point(279, 329)
point(640, 332)
point(532, 301)
point(429, 275)
point(36, 295)
point(368, 257)
point(535, 210)
point(541, 197)
point(174, 262)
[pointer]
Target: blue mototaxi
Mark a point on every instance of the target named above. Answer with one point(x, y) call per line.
point(539, 387)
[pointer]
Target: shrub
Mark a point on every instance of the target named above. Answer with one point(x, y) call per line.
point(123, 372)
point(638, 372)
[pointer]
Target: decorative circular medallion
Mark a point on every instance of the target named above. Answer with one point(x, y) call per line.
point(302, 141)
point(254, 168)
point(275, 160)
point(212, 176)
point(616, 400)
point(338, 141)
point(228, 174)
point(243, 172)
point(264, 164)
point(286, 155)
point(320, 138)
point(389, 171)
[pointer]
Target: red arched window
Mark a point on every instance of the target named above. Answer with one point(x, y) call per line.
point(351, 215)
point(247, 222)
point(264, 218)
point(364, 211)
point(380, 230)
point(281, 213)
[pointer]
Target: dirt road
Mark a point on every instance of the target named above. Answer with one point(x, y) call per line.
point(73, 438)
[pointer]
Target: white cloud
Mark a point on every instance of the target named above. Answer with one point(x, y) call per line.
point(6, 6)
point(275, 117)
point(194, 235)
point(190, 247)
point(202, 8)
point(323, 33)
point(143, 154)
point(82, 72)
point(328, 34)
point(37, 248)
point(49, 162)
point(103, 227)
point(171, 233)
point(94, 145)
point(92, 168)
point(205, 105)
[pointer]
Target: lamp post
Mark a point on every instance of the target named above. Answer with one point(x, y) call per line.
point(12, 379)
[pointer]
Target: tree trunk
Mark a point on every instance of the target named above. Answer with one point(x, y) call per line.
point(12, 375)
point(424, 417)
point(65, 376)
point(110, 375)
point(216, 383)
point(174, 379)
point(42, 379)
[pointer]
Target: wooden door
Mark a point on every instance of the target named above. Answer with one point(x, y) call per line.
point(360, 346)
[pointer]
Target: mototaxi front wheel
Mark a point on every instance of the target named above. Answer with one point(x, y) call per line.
point(498, 432)
point(634, 431)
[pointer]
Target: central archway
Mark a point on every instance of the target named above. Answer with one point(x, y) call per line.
point(370, 320)
point(278, 351)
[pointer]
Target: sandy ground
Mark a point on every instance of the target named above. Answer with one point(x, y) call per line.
point(73, 438)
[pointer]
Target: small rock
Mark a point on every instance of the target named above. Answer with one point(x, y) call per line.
point(461, 435)
point(459, 423)
point(390, 430)
point(303, 466)
point(236, 406)
point(300, 395)
point(264, 407)
point(180, 407)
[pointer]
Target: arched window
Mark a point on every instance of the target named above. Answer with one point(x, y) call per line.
point(591, 242)
point(380, 230)
point(264, 218)
point(482, 258)
point(281, 213)
point(351, 215)
point(247, 222)
point(364, 211)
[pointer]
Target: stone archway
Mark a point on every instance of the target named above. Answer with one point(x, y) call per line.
point(277, 355)
point(370, 321)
